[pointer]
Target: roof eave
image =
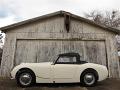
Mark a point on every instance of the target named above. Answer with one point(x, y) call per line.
point(61, 13)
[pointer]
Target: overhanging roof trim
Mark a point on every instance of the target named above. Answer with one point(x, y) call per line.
point(59, 13)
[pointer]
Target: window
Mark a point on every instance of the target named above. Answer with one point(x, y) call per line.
point(66, 60)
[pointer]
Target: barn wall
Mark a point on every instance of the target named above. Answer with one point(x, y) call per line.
point(53, 29)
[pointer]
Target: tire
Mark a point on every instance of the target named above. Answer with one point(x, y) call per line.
point(88, 78)
point(25, 78)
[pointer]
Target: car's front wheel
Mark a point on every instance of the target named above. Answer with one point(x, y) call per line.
point(25, 78)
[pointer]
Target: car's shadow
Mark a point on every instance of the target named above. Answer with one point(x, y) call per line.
point(56, 85)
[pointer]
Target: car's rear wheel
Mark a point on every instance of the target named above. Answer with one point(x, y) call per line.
point(25, 78)
point(88, 78)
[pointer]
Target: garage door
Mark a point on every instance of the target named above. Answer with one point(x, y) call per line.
point(47, 50)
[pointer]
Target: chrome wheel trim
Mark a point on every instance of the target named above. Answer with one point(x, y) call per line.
point(25, 79)
point(89, 78)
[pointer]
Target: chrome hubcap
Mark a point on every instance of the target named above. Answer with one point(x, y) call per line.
point(89, 78)
point(25, 79)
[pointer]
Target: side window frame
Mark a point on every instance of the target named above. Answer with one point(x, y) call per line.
point(66, 62)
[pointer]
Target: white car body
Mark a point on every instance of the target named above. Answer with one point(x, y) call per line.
point(48, 72)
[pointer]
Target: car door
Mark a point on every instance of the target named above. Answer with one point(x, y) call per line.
point(42, 72)
point(64, 69)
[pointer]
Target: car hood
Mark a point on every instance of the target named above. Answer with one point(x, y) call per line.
point(41, 63)
point(30, 65)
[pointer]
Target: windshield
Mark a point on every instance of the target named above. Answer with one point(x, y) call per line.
point(55, 58)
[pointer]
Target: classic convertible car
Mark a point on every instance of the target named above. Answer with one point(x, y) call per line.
point(67, 68)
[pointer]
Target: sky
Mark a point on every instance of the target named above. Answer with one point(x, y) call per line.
point(12, 11)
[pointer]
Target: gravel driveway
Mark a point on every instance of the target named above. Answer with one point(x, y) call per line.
point(109, 84)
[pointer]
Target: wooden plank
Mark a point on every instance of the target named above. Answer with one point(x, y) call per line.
point(42, 51)
point(95, 52)
point(7, 62)
point(113, 58)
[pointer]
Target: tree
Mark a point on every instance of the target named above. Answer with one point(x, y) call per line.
point(107, 18)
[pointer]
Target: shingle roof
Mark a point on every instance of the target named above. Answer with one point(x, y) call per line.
point(58, 13)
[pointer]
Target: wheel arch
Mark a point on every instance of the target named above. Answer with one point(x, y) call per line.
point(90, 70)
point(26, 69)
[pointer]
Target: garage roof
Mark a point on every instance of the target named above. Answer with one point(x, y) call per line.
point(58, 13)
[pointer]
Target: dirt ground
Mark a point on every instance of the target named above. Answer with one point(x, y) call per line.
point(109, 84)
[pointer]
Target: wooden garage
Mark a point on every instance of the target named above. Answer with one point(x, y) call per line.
point(42, 38)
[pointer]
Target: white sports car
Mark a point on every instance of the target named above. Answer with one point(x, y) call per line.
point(67, 68)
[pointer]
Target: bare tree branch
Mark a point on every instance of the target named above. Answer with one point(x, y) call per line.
point(107, 18)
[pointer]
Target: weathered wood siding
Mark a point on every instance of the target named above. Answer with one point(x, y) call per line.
point(40, 50)
point(34, 42)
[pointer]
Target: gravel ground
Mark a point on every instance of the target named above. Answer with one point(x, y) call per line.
point(109, 84)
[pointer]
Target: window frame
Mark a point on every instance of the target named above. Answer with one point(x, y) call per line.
point(66, 62)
